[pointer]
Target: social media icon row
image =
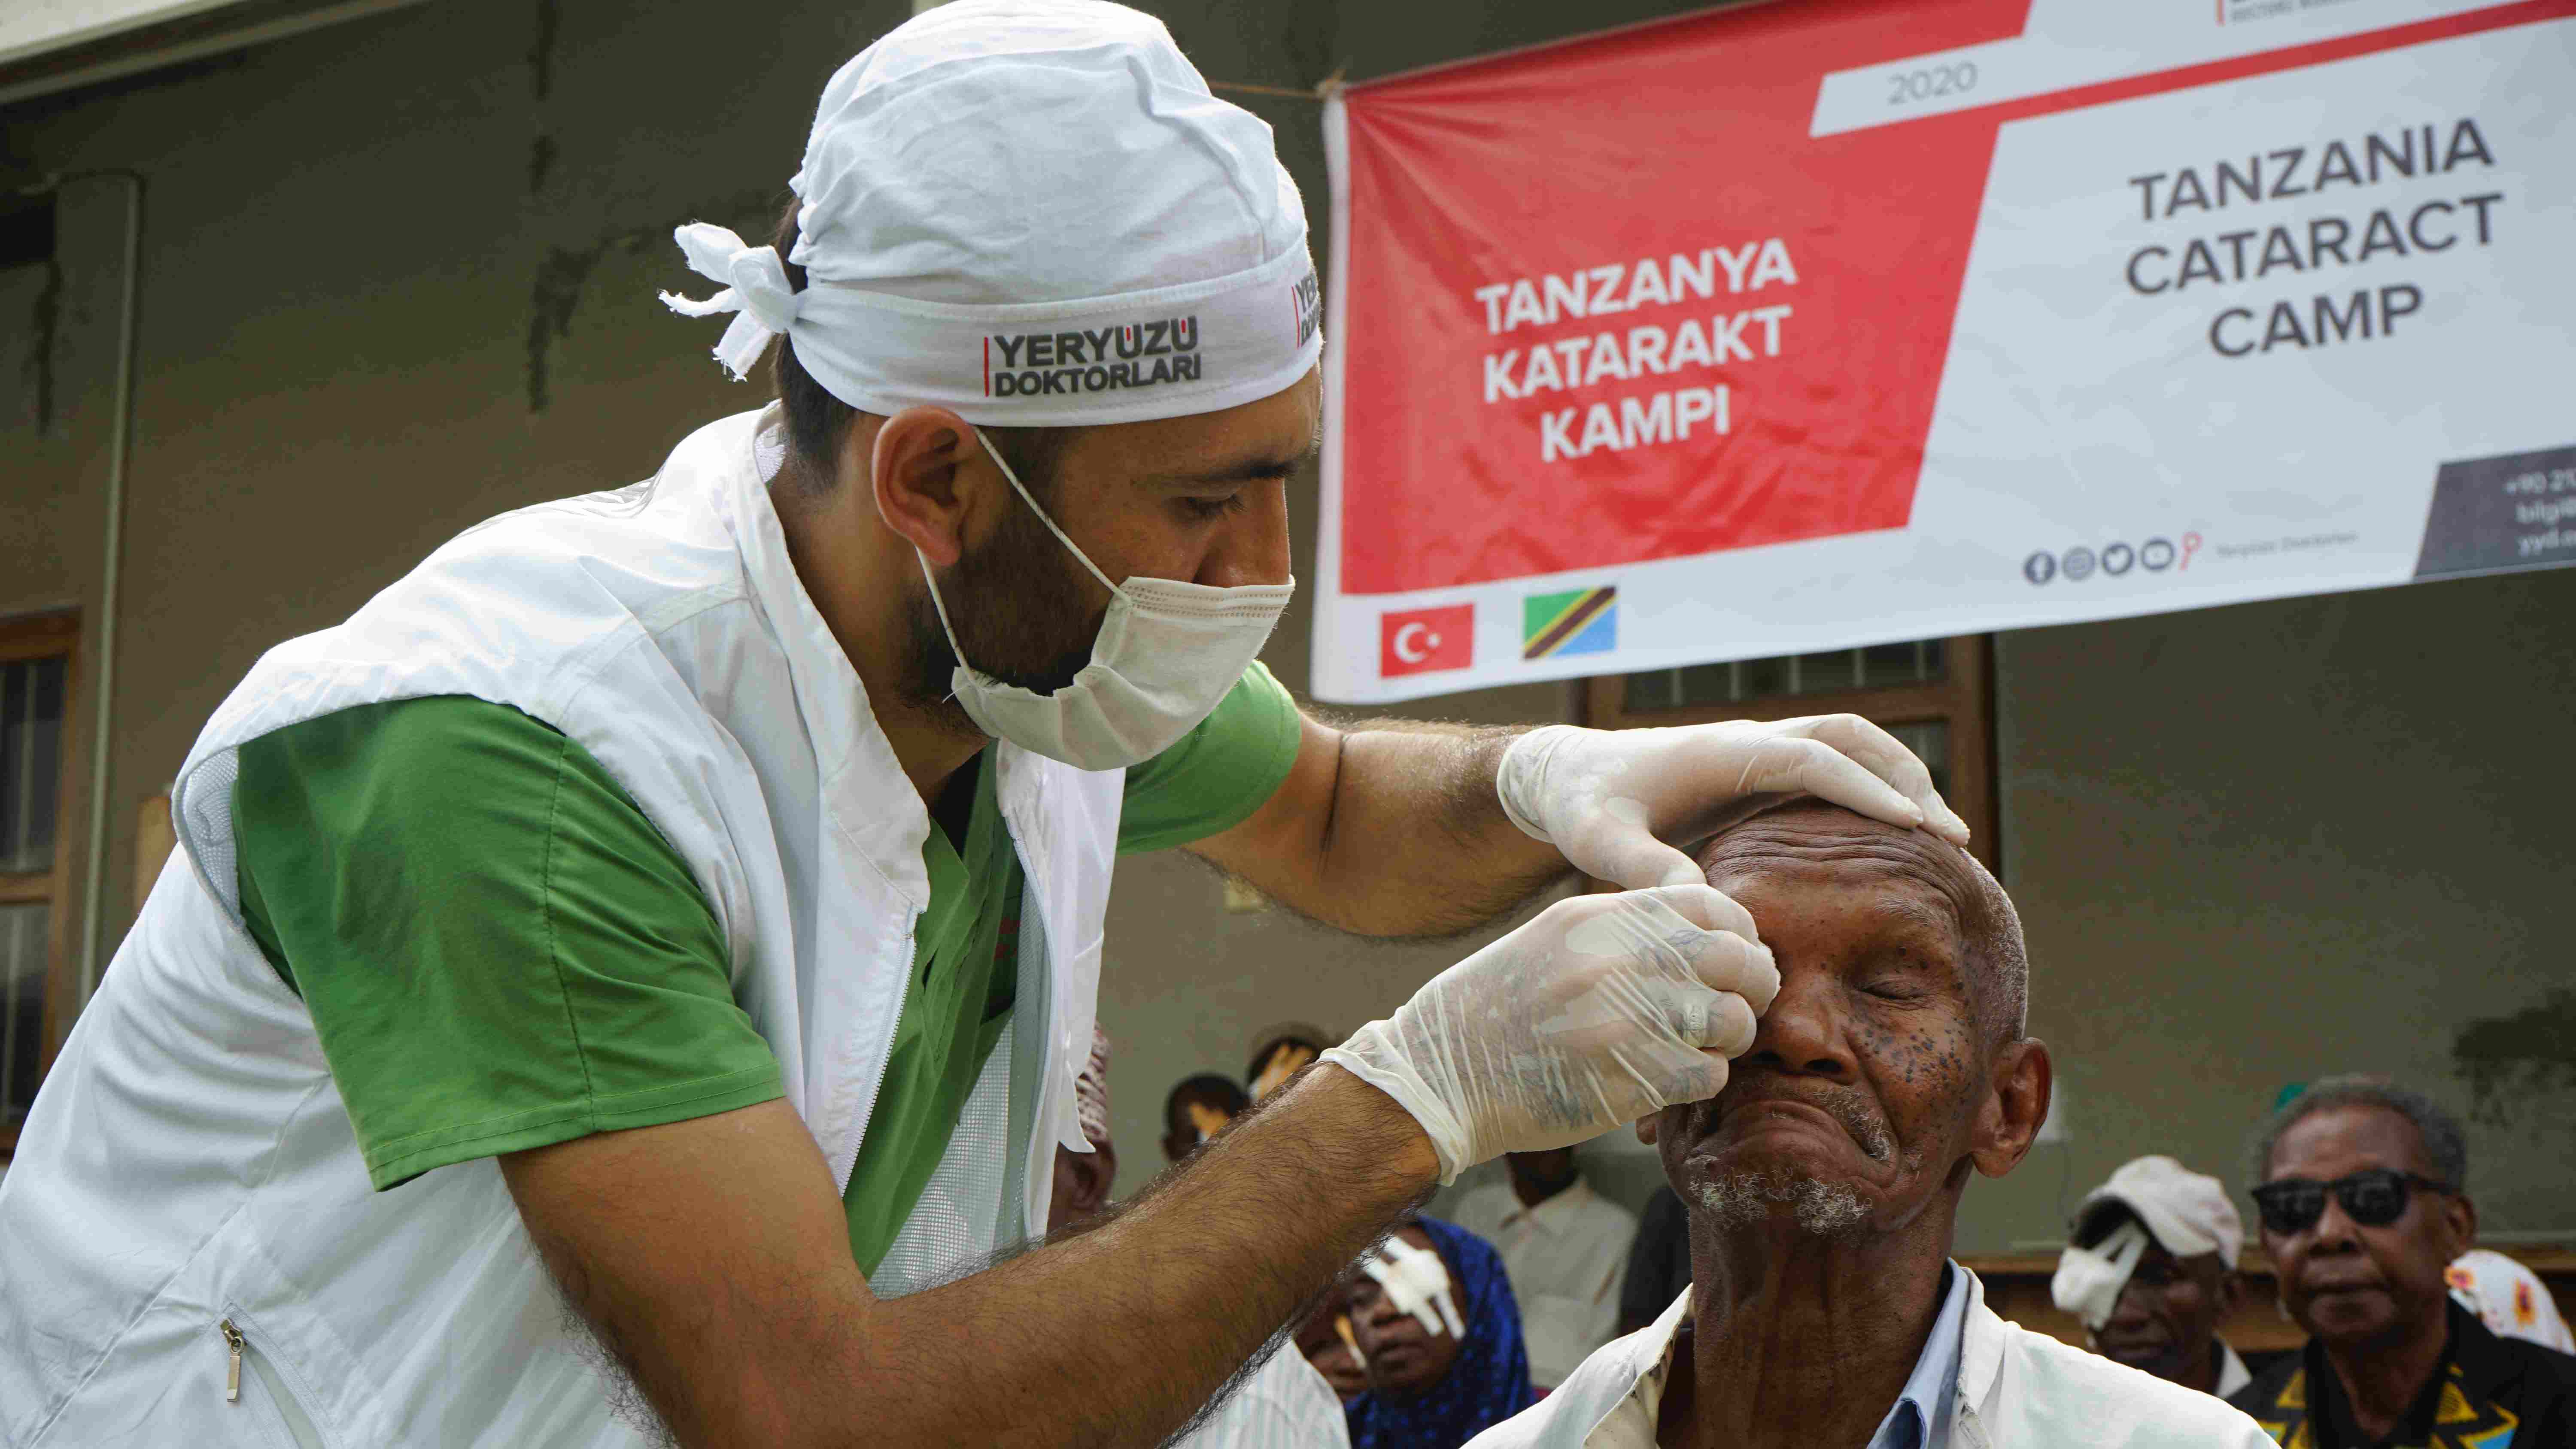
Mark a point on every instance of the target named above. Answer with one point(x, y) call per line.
point(2080, 562)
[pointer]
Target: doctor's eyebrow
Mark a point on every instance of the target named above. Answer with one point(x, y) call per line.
point(1249, 470)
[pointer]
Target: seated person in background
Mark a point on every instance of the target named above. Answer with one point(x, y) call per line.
point(2508, 1298)
point(2364, 1201)
point(1329, 1342)
point(1197, 1109)
point(1823, 1182)
point(1439, 1338)
point(1084, 1180)
point(2151, 1272)
point(1658, 1262)
point(1566, 1248)
point(1281, 1403)
point(1280, 1052)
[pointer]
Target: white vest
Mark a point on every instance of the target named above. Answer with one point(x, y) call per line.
point(190, 1162)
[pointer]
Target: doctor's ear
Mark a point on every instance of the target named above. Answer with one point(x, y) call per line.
point(1646, 1130)
point(915, 460)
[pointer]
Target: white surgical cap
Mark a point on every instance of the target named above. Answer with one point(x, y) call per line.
point(1032, 212)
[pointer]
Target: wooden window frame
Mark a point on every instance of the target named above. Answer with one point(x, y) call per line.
point(1963, 699)
point(49, 636)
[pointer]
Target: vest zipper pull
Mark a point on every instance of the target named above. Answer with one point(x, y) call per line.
point(232, 1371)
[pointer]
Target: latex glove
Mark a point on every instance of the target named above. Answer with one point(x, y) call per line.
point(1598, 1011)
point(1610, 799)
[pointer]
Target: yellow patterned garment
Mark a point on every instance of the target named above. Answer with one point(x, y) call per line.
point(2492, 1393)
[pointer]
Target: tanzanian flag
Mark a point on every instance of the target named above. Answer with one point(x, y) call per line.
point(1578, 621)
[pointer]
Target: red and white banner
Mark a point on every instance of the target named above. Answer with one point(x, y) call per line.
point(1807, 325)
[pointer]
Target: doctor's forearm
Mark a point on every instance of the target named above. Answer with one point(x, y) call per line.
point(1392, 828)
point(711, 1259)
point(1119, 1334)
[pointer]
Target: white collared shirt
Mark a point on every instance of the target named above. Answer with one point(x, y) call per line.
point(1921, 1415)
point(2012, 1388)
point(2232, 1372)
point(1567, 1258)
point(1286, 1404)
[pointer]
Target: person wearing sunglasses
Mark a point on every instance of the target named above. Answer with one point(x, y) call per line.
point(2362, 1191)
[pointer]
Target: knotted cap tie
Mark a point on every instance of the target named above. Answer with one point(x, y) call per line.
point(757, 291)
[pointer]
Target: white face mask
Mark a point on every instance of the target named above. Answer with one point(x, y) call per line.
point(1166, 654)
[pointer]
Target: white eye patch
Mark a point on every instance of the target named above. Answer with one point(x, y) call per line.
point(1416, 1282)
point(2089, 1280)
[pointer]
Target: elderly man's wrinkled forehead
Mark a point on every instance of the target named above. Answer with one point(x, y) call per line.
point(1806, 836)
point(1803, 831)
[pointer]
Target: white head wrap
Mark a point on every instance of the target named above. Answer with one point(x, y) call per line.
point(2508, 1297)
point(1032, 212)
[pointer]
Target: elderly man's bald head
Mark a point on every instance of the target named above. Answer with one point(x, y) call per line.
point(1811, 833)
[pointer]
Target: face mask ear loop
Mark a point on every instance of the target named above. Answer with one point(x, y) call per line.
point(941, 606)
point(1021, 489)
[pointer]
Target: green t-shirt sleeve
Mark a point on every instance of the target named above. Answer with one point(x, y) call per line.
point(498, 949)
point(1219, 773)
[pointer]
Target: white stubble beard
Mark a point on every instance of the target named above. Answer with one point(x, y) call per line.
point(1745, 1199)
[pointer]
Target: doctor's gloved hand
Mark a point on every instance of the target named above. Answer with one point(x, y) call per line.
point(1598, 1011)
point(1612, 799)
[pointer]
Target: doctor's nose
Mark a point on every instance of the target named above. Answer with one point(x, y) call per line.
point(1252, 547)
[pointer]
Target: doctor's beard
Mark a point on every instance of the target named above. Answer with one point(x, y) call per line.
point(1020, 610)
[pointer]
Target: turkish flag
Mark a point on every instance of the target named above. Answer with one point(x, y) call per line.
point(1418, 641)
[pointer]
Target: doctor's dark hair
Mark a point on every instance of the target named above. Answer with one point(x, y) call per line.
point(818, 423)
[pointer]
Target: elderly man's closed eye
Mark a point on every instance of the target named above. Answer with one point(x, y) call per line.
point(1822, 1184)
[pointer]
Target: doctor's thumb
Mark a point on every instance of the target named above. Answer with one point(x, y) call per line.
point(1635, 860)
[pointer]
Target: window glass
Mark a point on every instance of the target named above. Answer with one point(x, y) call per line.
point(22, 1008)
point(1877, 666)
point(31, 742)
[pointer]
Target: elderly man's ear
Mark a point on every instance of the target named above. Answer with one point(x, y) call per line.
point(2009, 1120)
point(2460, 1219)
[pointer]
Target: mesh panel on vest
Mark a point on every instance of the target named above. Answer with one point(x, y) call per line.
point(957, 1222)
point(206, 804)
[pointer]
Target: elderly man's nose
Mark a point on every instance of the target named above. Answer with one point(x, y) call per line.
point(2131, 1311)
point(1802, 1032)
